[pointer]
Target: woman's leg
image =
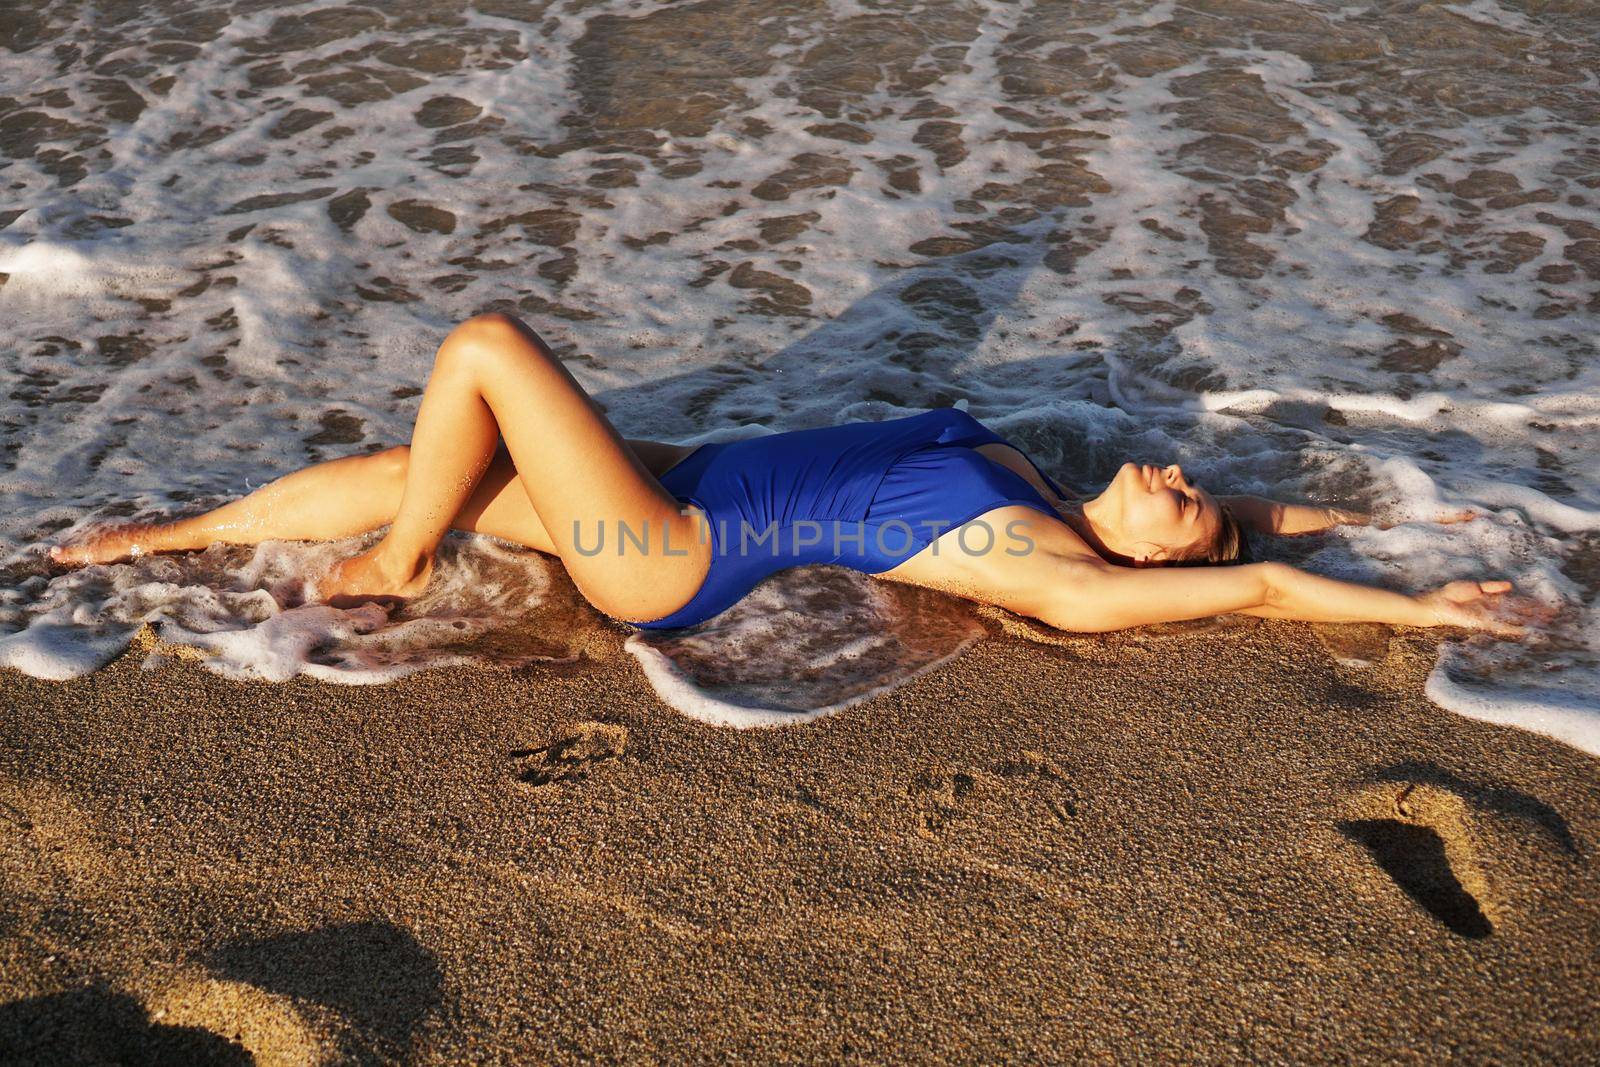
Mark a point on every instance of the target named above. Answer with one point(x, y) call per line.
point(343, 498)
point(323, 502)
point(560, 450)
point(494, 376)
point(500, 506)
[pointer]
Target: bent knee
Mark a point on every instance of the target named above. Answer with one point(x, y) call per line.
point(485, 338)
point(494, 329)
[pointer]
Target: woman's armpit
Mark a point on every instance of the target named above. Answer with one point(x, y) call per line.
point(1031, 553)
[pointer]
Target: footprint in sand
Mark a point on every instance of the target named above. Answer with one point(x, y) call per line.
point(571, 756)
point(1359, 645)
point(944, 795)
point(1041, 778)
point(1420, 837)
point(940, 794)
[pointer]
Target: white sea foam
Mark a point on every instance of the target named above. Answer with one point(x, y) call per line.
point(1341, 253)
point(840, 637)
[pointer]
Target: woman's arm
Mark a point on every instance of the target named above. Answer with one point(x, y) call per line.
point(1095, 597)
point(1314, 598)
point(1270, 516)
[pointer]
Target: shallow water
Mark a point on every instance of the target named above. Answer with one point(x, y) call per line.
point(1332, 252)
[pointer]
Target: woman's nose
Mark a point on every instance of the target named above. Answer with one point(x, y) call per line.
point(1175, 474)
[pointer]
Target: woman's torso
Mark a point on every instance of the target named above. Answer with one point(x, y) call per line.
point(863, 495)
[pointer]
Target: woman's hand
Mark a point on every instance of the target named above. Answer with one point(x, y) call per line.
point(1470, 605)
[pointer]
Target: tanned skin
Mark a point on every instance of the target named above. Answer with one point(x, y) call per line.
point(507, 443)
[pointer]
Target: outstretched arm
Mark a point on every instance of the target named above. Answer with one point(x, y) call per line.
point(1270, 516)
point(1095, 597)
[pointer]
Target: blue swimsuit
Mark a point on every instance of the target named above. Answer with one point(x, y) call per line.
point(864, 495)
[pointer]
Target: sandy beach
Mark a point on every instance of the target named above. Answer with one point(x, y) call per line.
point(1345, 255)
point(1189, 845)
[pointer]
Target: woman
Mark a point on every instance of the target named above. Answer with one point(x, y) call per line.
point(664, 535)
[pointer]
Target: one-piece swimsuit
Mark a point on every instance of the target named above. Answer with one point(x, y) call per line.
point(863, 495)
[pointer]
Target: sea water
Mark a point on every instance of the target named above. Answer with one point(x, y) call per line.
point(1334, 252)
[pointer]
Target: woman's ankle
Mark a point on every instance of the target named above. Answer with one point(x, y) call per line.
point(405, 562)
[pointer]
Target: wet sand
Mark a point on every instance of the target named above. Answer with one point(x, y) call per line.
point(1204, 846)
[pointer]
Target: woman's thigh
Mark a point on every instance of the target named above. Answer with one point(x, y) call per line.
point(500, 506)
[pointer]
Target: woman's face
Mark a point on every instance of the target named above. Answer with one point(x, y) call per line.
point(1159, 515)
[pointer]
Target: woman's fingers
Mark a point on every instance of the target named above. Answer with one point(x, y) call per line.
point(1477, 616)
point(1505, 629)
point(1465, 592)
point(1525, 609)
point(1481, 606)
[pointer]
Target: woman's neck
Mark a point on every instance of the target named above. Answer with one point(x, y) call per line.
point(1080, 516)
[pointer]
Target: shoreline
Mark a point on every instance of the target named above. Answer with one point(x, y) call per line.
point(1033, 851)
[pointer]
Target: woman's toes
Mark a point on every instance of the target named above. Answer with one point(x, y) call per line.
point(105, 546)
point(70, 555)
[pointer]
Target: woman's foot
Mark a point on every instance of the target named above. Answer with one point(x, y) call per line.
point(376, 574)
point(108, 545)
